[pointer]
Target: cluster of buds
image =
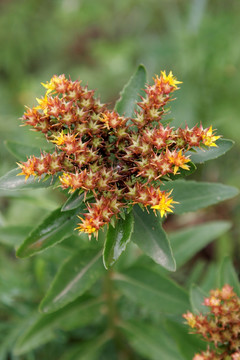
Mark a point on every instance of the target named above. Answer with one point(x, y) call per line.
point(121, 161)
point(220, 327)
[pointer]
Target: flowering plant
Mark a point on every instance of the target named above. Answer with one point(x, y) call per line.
point(118, 161)
point(123, 170)
point(220, 326)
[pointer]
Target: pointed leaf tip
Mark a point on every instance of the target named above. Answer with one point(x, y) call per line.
point(117, 239)
point(151, 238)
point(131, 93)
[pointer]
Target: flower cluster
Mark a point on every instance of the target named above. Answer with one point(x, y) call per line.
point(121, 161)
point(221, 326)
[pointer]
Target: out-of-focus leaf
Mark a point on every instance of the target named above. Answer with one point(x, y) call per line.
point(197, 296)
point(13, 235)
point(196, 273)
point(187, 242)
point(88, 350)
point(11, 181)
point(57, 226)
point(193, 195)
point(227, 275)
point(150, 341)
point(117, 239)
point(188, 344)
point(21, 151)
point(201, 155)
point(209, 280)
point(43, 329)
point(154, 291)
point(10, 338)
point(75, 277)
point(130, 93)
point(151, 238)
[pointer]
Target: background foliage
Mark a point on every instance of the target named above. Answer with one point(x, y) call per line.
point(102, 43)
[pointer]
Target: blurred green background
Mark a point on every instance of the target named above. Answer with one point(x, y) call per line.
point(101, 43)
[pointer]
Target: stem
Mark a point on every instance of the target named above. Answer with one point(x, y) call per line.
point(110, 303)
point(123, 350)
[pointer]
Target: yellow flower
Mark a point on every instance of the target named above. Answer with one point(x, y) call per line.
point(191, 320)
point(59, 139)
point(65, 179)
point(165, 203)
point(105, 119)
point(86, 226)
point(51, 86)
point(170, 79)
point(27, 168)
point(43, 103)
point(179, 161)
point(209, 138)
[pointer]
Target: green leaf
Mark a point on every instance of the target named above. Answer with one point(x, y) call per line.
point(156, 292)
point(201, 155)
point(188, 344)
point(150, 237)
point(183, 172)
point(227, 275)
point(187, 242)
point(22, 151)
point(57, 226)
point(11, 181)
point(197, 296)
point(117, 239)
point(196, 273)
point(73, 202)
point(75, 277)
point(209, 280)
point(43, 329)
point(193, 195)
point(13, 235)
point(130, 93)
point(150, 341)
point(88, 350)
point(9, 339)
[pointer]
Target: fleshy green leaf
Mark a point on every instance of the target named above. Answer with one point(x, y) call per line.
point(197, 296)
point(43, 329)
point(75, 277)
point(187, 242)
point(193, 195)
point(57, 226)
point(201, 155)
point(150, 340)
point(151, 238)
point(117, 239)
point(130, 93)
point(21, 151)
point(11, 181)
point(188, 344)
point(73, 202)
point(156, 292)
point(227, 275)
